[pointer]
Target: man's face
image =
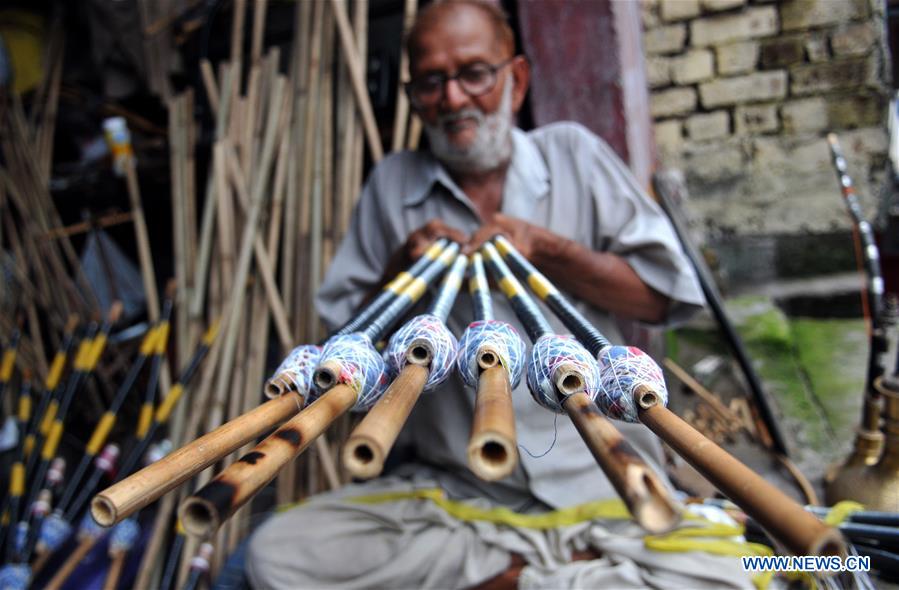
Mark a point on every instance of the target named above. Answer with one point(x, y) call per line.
point(460, 125)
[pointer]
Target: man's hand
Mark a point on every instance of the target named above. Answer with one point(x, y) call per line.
point(422, 238)
point(526, 238)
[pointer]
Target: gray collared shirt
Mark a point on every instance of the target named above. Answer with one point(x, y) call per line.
point(564, 178)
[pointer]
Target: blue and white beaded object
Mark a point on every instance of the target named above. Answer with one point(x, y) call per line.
point(54, 531)
point(361, 367)
point(88, 527)
point(502, 338)
point(15, 576)
point(621, 369)
point(124, 535)
point(551, 351)
point(299, 365)
point(441, 342)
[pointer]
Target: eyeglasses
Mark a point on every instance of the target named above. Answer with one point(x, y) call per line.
point(475, 80)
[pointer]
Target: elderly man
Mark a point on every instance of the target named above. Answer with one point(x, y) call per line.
point(568, 203)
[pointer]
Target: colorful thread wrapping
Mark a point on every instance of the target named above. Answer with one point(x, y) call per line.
point(124, 535)
point(54, 531)
point(551, 351)
point(361, 367)
point(88, 527)
point(502, 338)
point(299, 366)
point(621, 369)
point(431, 330)
point(21, 537)
point(15, 576)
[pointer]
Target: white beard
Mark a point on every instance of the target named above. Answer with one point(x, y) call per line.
point(492, 145)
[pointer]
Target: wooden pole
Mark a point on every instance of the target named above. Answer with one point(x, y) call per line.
point(401, 113)
point(122, 499)
point(65, 570)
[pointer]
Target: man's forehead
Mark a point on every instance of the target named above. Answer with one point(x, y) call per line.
point(465, 31)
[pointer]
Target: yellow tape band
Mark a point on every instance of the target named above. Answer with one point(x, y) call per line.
point(432, 252)
point(399, 283)
point(179, 527)
point(28, 445)
point(162, 338)
point(49, 417)
point(541, 286)
point(447, 256)
point(24, 408)
point(415, 289)
point(6, 366)
point(97, 351)
point(502, 245)
point(17, 480)
point(83, 354)
point(510, 287)
point(56, 368)
point(144, 421)
point(146, 345)
point(101, 432)
point(171, 398)
point(52, 441)
point(211, 332)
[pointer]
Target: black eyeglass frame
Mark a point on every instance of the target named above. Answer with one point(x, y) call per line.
point(445, 79)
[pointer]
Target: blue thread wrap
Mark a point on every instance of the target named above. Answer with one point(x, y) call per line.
point(299, 365)
point(361, 367)
point(441, 342)
point(549, 352)
point(124, 535)
point(88, 527)
point(502, 338)
point(54, 531)
point(621, 369)
point(15, 576)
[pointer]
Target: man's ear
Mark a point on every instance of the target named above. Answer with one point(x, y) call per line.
point(521, 76)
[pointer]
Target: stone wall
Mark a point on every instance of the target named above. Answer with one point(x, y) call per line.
point(743, 94)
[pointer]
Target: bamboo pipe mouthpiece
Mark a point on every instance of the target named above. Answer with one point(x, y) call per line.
point(492, 450)
point(204, 512)
point(278, 385)
point(124, 498)
point(569, 380)
point(647, 498)
point(326, 374)
point(798, 531)
point(419, 353)
point(368, 445)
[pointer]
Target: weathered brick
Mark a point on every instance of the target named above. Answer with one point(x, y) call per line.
point(672, 10)
point(649, 14)
point(785, 51)
point(669, 136)
point(797, 15)
point(861, 143)
point(755, 22)
point(737, 58)
point(714, 162)
point(708, 125)
point(816, 48)
point(693, 66)
point(756, 119)
point(676, 101)
point(658, 71)
point(805, 115)
point(668, 39)
point(741, 89)
point(857, 39)
point(717, 5)
point(855, 111)
point(809, 79)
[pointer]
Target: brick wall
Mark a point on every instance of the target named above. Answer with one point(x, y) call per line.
point(742, 95)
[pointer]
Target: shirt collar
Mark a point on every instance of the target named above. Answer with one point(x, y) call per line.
point(528, 176)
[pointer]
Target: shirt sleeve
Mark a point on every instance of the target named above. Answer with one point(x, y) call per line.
point(359, 262)
point(630, 224)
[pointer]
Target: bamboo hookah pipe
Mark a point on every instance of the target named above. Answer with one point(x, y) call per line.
point(293, 373)
point(491, 360)
point(291, 388)
point(84, 365)
point(421, 353)
point(842, 482)
point(633, 389)
point(351, 374)
point(563, 377)
point(54, 377)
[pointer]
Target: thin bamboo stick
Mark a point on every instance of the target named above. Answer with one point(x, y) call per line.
point(401, 113)
point(259, 7)
point(492, 450)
